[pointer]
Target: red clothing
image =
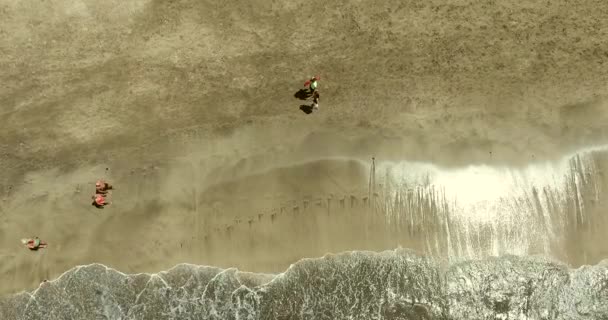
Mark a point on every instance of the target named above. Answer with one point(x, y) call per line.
point(100, 200)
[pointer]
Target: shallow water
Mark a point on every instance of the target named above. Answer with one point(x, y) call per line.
point(550, 208)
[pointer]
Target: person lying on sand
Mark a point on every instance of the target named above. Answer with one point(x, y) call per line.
point(99, 201)
point(102, 187)
point(34, 244)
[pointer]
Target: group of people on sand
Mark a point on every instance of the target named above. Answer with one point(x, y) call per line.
point(99, 201)
point(102, 188)
point(101, 191)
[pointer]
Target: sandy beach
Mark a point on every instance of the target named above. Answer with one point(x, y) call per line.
point(188, 109)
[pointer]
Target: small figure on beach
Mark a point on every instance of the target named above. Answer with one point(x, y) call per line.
point(34, 244)
point(99, 201)
point(309, 88)
point(312, 84)
point(315, 100)
point(102, 187)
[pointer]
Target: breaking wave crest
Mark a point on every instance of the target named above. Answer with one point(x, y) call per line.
point(394, 284)
point(487, 238)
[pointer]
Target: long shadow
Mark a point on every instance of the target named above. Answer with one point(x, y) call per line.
point(306, 108)
point(302, 94)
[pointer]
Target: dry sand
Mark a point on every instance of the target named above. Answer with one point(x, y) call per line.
point(189, 105)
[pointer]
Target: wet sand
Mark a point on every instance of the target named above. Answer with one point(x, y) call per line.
point(188, 109)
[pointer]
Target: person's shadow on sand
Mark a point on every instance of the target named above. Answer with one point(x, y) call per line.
point(94, 204)
point(302, 94)
point(306, 108)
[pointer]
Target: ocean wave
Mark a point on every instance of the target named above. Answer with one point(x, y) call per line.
point(396, 284)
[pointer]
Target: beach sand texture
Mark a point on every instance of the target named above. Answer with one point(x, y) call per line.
point(188, 109)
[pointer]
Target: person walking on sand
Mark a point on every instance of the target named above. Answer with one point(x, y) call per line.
point(312, 84)
point(315, 100)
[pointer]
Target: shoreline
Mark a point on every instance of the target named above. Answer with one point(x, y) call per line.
point(268, 219)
